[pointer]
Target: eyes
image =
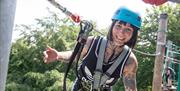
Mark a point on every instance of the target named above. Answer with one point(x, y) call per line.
point(123, 28)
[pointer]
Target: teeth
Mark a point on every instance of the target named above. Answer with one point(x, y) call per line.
point(120, 39)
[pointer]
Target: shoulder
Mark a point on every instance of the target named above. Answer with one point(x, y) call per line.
point(90, 40)
point(131, 64)
point(132, 59)
point(87, 45)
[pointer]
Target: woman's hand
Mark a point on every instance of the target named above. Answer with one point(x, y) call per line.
point(50, 55)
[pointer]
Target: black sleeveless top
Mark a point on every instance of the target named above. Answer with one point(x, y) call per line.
point(89, 61)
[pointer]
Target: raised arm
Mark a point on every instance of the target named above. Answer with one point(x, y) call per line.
point(51, 54)
point(129, 73)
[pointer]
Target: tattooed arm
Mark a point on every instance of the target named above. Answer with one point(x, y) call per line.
point(129, 73)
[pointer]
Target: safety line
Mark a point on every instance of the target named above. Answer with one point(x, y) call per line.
point(149, 54)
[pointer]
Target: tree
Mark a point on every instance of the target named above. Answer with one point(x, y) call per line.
point(147, 40)
point(27, 72)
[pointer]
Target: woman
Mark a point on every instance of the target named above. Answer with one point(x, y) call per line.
point(123, 32)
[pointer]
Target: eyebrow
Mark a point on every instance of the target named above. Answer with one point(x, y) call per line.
point(129, 25)
point(134, 28)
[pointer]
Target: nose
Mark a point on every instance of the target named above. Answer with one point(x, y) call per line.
point(120, 31)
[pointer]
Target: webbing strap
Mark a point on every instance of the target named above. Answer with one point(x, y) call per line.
point(98, 71)
point(123, 56)
point(99, 77)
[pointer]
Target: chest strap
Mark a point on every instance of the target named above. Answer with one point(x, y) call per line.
point(99, 77)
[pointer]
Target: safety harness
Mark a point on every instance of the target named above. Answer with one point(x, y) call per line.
point(101, 77)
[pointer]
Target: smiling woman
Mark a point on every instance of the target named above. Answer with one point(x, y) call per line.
point(105, 60)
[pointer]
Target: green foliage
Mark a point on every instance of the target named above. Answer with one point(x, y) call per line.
point(147, 41)
point(27, 71)
point(118, 86)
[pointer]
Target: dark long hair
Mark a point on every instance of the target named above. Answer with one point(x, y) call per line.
point(132, 42)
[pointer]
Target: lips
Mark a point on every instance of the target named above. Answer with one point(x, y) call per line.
point(119, 38)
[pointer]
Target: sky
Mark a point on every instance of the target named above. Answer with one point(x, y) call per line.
point(99, 11)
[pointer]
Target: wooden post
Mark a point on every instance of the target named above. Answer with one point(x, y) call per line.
point(7, 13)
point(160, 48)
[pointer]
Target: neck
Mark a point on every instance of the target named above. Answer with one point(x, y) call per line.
point(112, 51)
point(114, 46)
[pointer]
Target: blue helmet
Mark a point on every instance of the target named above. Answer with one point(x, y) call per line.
point(126, 15)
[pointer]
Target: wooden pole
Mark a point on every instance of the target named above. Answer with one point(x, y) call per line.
point(7, 13)
point(160, 48)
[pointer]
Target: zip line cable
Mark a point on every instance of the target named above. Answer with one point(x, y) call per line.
point(148, 54)
point(74, 17)
point(99, 32)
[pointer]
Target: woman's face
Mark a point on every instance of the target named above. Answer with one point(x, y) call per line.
point(121, 33)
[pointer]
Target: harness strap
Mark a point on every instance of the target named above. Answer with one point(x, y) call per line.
point(123, 56)
point(98, 71)
point(99, 77)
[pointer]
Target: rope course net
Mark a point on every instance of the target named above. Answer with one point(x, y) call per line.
point(171, 61)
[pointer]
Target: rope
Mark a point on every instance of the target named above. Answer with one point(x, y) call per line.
point(98, 32)
point(148, 54)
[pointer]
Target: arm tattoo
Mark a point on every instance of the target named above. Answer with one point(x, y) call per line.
point(129, 77)
point(129, 62)
point(129, 82)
